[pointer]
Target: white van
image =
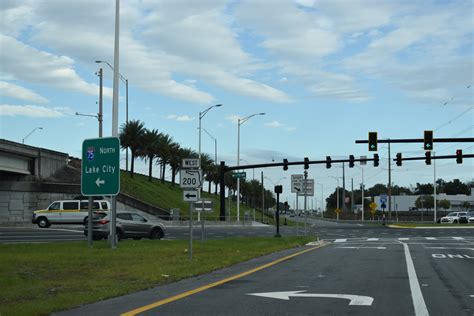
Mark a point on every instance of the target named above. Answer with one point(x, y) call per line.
point(67, 212)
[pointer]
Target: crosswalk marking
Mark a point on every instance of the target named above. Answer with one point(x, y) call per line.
point(458, 238)
point(403, 238)
point(340, 240)
point(430, 238)
point(372, 239)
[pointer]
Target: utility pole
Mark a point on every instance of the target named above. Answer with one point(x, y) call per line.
point(100, 115)
point(343, 188)
point(305, 198)
point(352, 195)
point(434, 187)
point(263, 197)
point(389, 183)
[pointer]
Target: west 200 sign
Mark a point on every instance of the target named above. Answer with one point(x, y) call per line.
point(189, 178)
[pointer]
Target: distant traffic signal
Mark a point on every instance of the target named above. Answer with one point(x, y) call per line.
point(459, 156)
point(428, 157)
point(328, 162)
point(376, 160)
point(351, 161)
point(285, 164)
point(306, 163)
point(278, 189)
point(428, 140)
point(399, 159)
point(372, 141)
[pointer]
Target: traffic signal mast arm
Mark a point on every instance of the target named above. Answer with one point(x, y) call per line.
point(419, 140)
point(437, 157)
point(292, 163)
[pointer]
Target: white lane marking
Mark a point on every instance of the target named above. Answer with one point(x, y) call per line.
point(404, 238)
point(458, 238)
point(417, 296)
point(471, 295)
point(430, 238)
point(340, 240)
point(362, 247)
point(354, 299)
point(372, 239)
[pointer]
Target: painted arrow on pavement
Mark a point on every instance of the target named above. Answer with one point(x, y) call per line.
point(354, 299)
point(98, 182)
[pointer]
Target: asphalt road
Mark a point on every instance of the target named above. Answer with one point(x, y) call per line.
point(324, 230)
point(371, 276)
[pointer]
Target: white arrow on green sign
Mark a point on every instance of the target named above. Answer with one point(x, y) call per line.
point(100, 166)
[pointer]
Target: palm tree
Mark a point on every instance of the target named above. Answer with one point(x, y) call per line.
point(130, 137)
point(175, 161)
point(149, 150)
point(206, 165)
point(164, 153)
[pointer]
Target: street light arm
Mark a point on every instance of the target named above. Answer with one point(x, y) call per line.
point(245, 119)
point(201, 114)
point(91, 115)
point(209, 134)
point(34, 129)
point(120, 75)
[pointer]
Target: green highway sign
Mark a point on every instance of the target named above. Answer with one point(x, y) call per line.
point(100, 166)
point(237, 175)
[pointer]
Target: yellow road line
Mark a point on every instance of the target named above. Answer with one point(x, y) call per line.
point(214, 284)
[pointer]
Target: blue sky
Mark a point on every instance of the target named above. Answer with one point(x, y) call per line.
point(325, 73)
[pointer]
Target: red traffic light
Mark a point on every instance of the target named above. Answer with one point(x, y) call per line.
point(459, 156)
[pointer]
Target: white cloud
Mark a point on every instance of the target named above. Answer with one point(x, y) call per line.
point(14, 91)
point(29, 64)
point(233, 118)
point(182, 118)
point(274, 124)
point(29, 111)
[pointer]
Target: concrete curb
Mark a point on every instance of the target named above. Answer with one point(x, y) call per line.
point(427, 227)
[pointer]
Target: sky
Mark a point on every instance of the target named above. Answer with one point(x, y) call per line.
point(324, 72)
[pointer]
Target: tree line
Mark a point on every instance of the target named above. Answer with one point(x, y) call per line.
point(158, 148)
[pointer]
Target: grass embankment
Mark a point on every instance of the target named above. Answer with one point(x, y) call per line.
point(42, 278)
point(167, 196)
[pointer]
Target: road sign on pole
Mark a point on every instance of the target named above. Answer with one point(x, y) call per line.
point(296, 183)
point(239, 175)
point(190, 195)
point(100, 166)
point(189, 179)
point(190, 163)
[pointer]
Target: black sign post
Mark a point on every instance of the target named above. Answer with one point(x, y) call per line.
point(278, 190)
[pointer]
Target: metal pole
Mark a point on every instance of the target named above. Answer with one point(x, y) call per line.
point(297, 214)
point(389, 183)
point(202, 222)
point(222, 191)
point(434, 187)
point(89, 222)
point(278, 216)
point(337, 197)
point(305, 199)
point(263, 197)
point(200, 168)
point(101, 115)
point(126, 120)
point(115, 112)
point(238, 164)
point(190, 230)
point(343, 187)
point(215, 156)
point(362, 189)
point(352, 195)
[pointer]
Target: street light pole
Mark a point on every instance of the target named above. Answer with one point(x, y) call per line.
point(34, 129)
point(124, 80)
point(215, 149)
point(240, 122)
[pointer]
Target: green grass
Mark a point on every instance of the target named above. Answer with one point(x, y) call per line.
point(430, 225)
point(167, 196)
point(42, 278)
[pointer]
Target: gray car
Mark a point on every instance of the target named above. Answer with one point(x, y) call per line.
point(129, 225)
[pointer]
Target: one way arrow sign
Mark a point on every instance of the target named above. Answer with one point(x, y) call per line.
point(190, 195)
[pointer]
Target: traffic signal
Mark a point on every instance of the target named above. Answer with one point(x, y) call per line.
point(351, 161)
point(306, 163)
point(285, 164)
point(328, 162)
point(428, 157)
point(428, 140)
point(278, 189)
point(459, 156)
point(376, 160)
point(399, 159)
point(372, 141)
